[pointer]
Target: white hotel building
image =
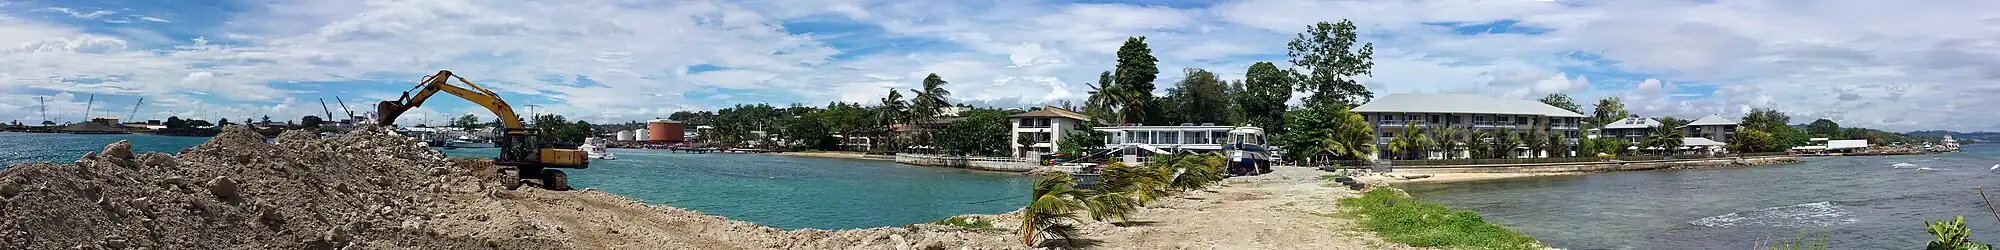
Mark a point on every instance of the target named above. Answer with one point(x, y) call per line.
point(1391, 114)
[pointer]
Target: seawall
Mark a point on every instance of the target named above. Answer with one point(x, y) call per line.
point(1594, 167)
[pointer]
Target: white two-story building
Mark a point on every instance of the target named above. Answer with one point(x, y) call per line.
point(1393, 113)
point(1046, 126)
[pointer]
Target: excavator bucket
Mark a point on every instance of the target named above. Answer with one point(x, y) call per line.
point(387, 111)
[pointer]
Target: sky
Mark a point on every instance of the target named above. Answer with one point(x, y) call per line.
point(1879, 64)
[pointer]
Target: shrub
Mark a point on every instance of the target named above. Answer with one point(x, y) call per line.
point(1401, 219)
point(964, 222)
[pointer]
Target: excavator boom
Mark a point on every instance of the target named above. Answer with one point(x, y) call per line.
point(518, 148)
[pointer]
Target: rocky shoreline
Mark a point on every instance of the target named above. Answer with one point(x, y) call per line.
point(371, 189)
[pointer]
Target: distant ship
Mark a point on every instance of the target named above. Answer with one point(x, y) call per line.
point(595, 148)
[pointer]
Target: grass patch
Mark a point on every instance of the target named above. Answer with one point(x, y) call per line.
point(964, 222)
point(1803, 241)
point(1330, 177)
point(1401, 219)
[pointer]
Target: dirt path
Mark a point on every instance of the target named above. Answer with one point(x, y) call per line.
point(1287, 209)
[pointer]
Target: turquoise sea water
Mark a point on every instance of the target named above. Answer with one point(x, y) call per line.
point(779, 191)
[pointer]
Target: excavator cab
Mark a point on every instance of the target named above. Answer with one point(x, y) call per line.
point(521, 155)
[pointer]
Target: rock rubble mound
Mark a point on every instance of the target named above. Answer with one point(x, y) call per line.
point(367, 189)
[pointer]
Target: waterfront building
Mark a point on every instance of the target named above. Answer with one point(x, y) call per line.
point(1136, 144)
point(1632, 129)
point(1046, 127)
point(1392, 113)
point(1713, 127)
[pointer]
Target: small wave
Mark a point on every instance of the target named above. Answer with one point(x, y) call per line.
point(1929, 169)
point(1903, 165)
point(1817, 214)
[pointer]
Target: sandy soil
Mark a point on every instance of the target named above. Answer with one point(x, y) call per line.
point(1287, 209)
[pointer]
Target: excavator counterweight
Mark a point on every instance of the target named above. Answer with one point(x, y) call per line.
point(521, 157)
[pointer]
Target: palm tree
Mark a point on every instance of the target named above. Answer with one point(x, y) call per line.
point(1558, 145)
point(1105, 99)
point(1535, 143)
point(1052, 209)
point(893, 111)
point(929, 102)
point(1504, 143)
point(1448, 139)
point(1476, 141)
point(1411, 141)
point(1664, 139)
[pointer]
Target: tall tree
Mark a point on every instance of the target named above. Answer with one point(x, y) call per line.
point(1673, 122)
point(1137, 68)
point(1105, 99)
point(1557, 145)
point(1561, 100)
point(1328, 127)
point(1608, 110)
point(1478, 142)
point(893, 111)
point(1200, 98)
point(1665, 140)
point(930, 100)
point(1505, 141)
point(1327, 53)
point(1449, 140)
point(467, 121)
point(1827, 128)
point(1265, 90)
point(1535, 142)
point(310, 121)
point(1766, 119)
point(1411, 143)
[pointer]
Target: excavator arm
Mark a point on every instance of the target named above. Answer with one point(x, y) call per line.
point(518, 147)
point(389, 110)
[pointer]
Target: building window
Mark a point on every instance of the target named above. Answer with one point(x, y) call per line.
point(1453, 119)
point(1434, 119)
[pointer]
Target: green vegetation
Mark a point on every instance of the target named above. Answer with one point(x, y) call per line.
point(1802, 241)
point(1327, 128)
point(1561, 100)
point(965, 222)
point(1056, 204)
point(1327, 54)
point(1608, 110)
point(1952, 235)
point(1401, 219)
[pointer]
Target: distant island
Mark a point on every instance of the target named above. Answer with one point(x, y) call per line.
point(1962, 137)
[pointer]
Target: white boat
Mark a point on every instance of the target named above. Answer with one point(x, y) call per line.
point(595, 148)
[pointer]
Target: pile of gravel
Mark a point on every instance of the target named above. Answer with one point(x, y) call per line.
point(368, 189)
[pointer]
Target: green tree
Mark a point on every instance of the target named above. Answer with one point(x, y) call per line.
point(175, 122)
point(267, 119)
point(1082, 142)
point(1561, 100)
point(1505, 141)
point(1449, 140)
point(1664, 140)
point(1952, 235)
point(1106, 100)
point(893, 111)
point(1753, 141)
point(467, 121)
point(199, 123)
point(931, 99)
point(1557, 145)
point(981, 133)
point(807, 131)
point(1827, 128)
point(1672, 122)
point(1200, 98)
point(1766, 119)
point(1411, 143)
point(1137, 68)
point(1535, 142)
point(311, 121)
point(1328, 127)
point(1609, 109)
point(1327, 53)
point(224, 122)
point(1479, 143)
point(1265, 90)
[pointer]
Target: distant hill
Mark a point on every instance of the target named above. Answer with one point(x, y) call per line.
point(1976, 136)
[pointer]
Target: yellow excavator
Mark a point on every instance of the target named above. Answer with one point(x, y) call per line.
point(520, 156)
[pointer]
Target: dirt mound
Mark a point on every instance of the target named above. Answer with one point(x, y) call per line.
point(367, 189)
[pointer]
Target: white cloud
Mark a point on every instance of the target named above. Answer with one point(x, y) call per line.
point(153, 19)
point(79, 14)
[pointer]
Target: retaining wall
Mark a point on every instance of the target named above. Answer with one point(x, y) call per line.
point(1007, 164)
point(1586, 167)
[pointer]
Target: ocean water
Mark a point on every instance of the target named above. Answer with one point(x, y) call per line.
point(779, 191)
point(1870, 202)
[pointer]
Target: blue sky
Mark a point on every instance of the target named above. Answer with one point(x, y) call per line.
point(1877, 64)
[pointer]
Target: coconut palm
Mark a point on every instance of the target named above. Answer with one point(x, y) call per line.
point(1476, 141)
point(1504, 143)
point(1558, 145)
point(1448, 140)
point(893, 111)
point(1535, 143)
point(1052, 210)
point(1664, 139)
point(1411, 141)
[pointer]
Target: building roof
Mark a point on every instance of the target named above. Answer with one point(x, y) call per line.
point(1711, 120)
point(1052, 111)
point(1698, 141)
point(1459, 103)
point(1632, 123)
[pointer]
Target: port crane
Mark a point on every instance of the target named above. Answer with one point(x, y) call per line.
point(521, 158)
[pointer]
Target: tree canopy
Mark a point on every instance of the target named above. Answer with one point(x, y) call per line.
point(1328, 55)
point(1262, 101)
point(1199, 98)
point(1608, 110)
point(1561, 100)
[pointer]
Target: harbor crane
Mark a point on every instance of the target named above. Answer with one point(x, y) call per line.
point(521, 158)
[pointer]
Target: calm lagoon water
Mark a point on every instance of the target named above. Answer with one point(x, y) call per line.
point(780, 191)
point(1867, 202)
